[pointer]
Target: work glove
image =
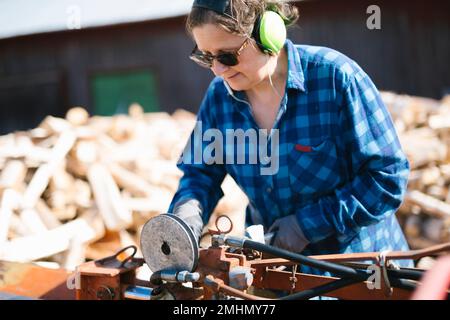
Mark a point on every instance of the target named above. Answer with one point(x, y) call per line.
point(288, 235)
point(190, 211)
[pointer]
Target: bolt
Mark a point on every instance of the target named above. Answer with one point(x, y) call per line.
point(105, 293)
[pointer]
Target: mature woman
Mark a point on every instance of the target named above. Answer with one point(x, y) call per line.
point(338, 172)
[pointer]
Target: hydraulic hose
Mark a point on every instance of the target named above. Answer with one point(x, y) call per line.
point(342, 271)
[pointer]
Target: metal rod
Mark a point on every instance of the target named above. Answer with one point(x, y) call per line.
point(320, 290)
point(217, 285)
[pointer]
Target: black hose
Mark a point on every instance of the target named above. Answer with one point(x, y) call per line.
point(402, 284)
point(405, 274)
point(341, 283)
point(402, 273)
point(320, 290)
point(342, 271)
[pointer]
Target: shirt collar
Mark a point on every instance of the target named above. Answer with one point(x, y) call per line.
point(295, 77)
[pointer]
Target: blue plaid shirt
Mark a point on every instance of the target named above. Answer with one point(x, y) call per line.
point(342, 171)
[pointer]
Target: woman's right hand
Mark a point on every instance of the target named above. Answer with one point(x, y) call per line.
point(190, 211)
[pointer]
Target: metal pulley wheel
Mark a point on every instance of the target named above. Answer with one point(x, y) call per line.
point(168, 243)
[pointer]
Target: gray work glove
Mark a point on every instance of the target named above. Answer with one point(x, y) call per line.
point(288, 234)
point(190, 211)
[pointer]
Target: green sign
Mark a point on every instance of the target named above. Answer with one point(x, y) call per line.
point(114, 92)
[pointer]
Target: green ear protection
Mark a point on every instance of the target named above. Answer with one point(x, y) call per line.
point(269, 31)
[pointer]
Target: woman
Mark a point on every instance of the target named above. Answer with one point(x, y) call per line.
point(340, 171)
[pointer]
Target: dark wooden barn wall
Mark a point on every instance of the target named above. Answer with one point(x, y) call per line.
point(73, 57)
point(46, 74)
point(410, 54)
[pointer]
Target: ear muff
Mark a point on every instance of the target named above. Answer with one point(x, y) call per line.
point(270, 32)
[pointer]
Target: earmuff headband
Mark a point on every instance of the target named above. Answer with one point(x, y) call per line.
point(220, 7)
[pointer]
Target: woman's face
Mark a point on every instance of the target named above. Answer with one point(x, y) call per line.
point(249, 72)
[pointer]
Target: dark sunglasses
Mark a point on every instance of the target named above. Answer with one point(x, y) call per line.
point(226, 58)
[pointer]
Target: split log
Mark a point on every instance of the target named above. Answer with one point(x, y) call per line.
point(136, 111)
point(129, 180)
point(426, 263)
point(121, 129)
point(423, 147)
point(48, 264)
point(433, 229)
point(13, 175)
point(75, 255)
point(61, 206)
point(108, 245)
point(412, 227)
point(437, 191)
point(9, 201)
point(51, 242)
point(17, 228)
point(158, 201)
point(445, 172)
point(47, 216)
point(439, 122)
point(32, 221)
point(108, 199)
point(39, 133)
point(77, 116)
point(430, 176)
point(85, 152)
point(42, 176)
point(82, 194)
point(55, 125)
point(437, 208)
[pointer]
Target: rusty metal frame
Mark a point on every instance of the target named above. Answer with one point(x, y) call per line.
point(108, 278)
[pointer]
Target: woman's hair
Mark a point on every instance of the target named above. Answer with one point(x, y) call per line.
point(242, 16)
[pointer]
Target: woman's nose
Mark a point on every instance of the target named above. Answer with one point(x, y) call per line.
point(218, 68)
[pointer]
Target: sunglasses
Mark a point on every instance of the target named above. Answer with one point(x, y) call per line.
point(226, 58)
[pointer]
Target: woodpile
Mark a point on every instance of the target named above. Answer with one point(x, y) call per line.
point(80, 187)
point(424, 131)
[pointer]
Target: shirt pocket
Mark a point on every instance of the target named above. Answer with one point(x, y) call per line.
point(314, 170)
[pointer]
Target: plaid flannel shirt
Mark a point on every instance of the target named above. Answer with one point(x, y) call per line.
point(342, 171)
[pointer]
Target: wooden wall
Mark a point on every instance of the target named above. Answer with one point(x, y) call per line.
point(46, 74)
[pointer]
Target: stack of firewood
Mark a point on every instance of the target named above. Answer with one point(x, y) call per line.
point(424, 130)
point(81, 188)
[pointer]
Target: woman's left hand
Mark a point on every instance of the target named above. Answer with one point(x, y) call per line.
point(289, 235)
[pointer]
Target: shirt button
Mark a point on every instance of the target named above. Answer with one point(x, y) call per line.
point(269, 190)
